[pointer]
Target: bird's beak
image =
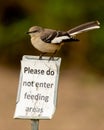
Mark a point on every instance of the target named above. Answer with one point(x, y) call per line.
point(27, 32)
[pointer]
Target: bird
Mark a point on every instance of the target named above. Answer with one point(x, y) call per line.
point(50, 41)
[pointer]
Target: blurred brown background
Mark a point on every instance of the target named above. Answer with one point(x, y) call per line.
point(80, 104)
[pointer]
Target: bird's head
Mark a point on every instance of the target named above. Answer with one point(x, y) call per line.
point(35, 30)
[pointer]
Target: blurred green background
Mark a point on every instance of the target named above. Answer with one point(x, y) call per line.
point(81, 87)
point(17, 16)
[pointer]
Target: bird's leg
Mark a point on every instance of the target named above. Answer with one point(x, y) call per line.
point(42, 54)
point(52, 56)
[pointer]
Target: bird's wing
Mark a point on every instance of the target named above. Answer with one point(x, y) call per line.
point(48, 35)
point(63, 37)
point(52, 36)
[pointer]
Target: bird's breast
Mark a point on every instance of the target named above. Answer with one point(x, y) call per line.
point(45, 47)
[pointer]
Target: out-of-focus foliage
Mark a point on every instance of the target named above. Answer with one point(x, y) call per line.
point(17, 16)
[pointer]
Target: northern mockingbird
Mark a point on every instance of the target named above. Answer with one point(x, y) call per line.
point(50, 41)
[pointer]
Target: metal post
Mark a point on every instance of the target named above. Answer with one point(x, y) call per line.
point(35, 124)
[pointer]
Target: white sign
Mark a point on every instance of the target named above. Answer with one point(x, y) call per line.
point(38, 84)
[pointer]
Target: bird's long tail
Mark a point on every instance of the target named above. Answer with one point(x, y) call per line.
point(84, 27)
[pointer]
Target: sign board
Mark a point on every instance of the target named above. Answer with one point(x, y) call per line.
point(37, 91)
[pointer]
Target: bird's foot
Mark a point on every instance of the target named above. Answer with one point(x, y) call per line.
point(51, 58)
point(40, 57)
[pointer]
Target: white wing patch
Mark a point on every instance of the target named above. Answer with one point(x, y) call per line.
point(59, 39)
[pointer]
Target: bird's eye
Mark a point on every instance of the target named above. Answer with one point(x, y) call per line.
point(34, 31)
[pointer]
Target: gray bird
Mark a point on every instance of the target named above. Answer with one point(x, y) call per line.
point(50, 41)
